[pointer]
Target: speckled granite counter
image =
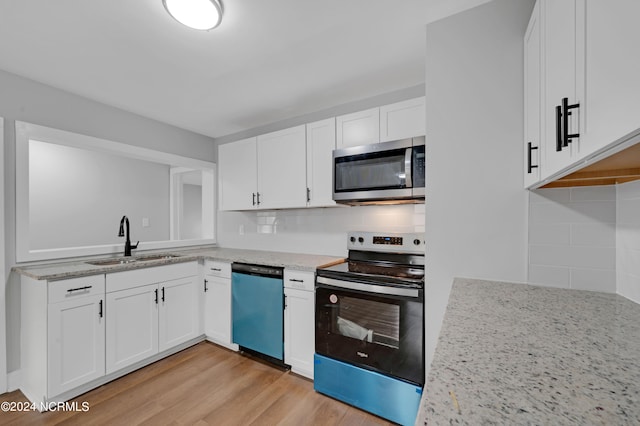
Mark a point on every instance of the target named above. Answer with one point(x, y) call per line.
point(520, 354)
point(79, 268)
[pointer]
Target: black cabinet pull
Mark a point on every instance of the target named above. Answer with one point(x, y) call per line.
point(71, 290)
point(205, 285)
point(216, 269)
point(258, 198)
point(308, 195)
point(530, 166)
point(100, 311)
point(295, 280)
point(162, 294)
point(558, 128)
point(156, 291)
point(566, 112)
point(253, 194)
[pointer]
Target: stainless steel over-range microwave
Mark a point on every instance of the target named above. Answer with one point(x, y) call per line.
point(387, 172)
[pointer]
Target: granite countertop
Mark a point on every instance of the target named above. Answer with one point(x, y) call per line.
point(521, 354)
point(80, 268)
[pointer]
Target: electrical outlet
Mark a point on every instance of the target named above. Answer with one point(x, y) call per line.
point(145, 222)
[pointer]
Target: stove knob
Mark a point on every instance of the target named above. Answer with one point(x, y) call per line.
point(416, 242)
point(360, 240)
point(352, 239)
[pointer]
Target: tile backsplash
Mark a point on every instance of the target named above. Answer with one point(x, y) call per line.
point(572, 238)
point(586, 238)
point(314, 231)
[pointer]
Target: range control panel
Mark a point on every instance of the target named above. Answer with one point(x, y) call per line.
point(412, 242)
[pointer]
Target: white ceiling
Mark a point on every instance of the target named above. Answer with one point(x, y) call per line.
point(269, 60)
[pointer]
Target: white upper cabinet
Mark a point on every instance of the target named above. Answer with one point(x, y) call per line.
point(282, 169)
point(532, 99)
point(358, 128)
point(238, 175)
point(613, 72)
point(563, 81)
point(402, 120)
point(321, 141)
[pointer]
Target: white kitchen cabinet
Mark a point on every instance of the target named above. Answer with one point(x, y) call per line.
point(612, 72)
point(217, 303)
point(62, 335)
point(238, 175)
point(132, 326)
point(299, 321)
point(402, 120)
point(321, 141)
point(178, 316)
point(533, 148)
point(282, 169)
point(149, 311)
point(358, 128)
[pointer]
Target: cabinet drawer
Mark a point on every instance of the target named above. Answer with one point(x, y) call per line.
point(138, 277)
point(300, 280)
point(75, 288)
point(217, 269)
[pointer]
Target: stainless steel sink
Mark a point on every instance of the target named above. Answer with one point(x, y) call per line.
point(121, 261)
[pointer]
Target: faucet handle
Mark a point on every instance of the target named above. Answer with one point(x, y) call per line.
point(135, 246)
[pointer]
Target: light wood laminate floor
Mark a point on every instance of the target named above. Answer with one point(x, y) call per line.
point(202, 385)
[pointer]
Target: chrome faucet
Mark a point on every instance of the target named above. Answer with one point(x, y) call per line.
point(127, 244)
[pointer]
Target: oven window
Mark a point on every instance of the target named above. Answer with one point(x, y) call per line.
point(374, 322)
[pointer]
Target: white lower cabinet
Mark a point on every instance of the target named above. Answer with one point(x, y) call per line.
point(217, 303)
point(62, 345)
point(150, 311)
point(299, 321)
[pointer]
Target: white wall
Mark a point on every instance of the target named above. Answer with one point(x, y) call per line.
point(572, 238)
point(476, 209)
point(313, 231)
point(27, 100)
point(628, 240)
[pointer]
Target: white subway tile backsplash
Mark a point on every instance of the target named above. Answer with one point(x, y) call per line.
point(550, 195)
point(593, 193)
point(550, 233)
point(572, 212)
point(573, 256)
point(594, 279)
point(629, 211)
point(553, 276)
point(593, 234)
point(628, 190)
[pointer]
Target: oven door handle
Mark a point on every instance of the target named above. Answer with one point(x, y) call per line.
point(370, 288)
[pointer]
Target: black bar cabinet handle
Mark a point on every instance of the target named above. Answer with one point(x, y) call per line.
point(253, 194)
point(205, 285)
point(530, 166)
point(216, 269)
point(100, 312)
point(566, 111)
point(162, 294)
point(558, 128)
point(258, 198)
point(156, 291)
point(71, 290)
point(295, 280)
point(308, 195)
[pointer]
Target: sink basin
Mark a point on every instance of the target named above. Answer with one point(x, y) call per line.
point(156, 257)
point(121, 261)
point(110, 262)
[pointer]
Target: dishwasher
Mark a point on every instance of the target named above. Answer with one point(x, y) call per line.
point(257, 295)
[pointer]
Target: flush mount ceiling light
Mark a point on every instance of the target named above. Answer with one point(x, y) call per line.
point(197, 14)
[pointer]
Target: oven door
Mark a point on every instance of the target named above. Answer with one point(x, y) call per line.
point(367, 326)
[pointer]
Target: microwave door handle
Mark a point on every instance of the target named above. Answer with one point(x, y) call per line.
point(408, 155)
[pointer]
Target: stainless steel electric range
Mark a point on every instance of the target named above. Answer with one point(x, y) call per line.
point(370, 325)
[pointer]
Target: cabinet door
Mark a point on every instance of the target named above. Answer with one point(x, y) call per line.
point(358, 128)
point(560, 50)
point(132, 326)
point(612, 72)
point(179, 313)
point(76, 343)
point(217, 309)
point(299, 331)
point(237, 165)
point(282, 169)
point(532, 98)
point(402, 120)
point(321, 141)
